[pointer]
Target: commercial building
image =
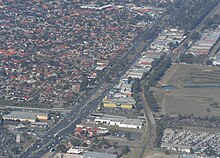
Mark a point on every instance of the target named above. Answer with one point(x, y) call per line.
point(25, 116)
point(75, 151)
point(145, 61)
point(138, 72)
point(216, 61)
point(120, 121)
point(109, 119)
point(124, 103)
point(131, 123)
point(42, 116)
point(204, 45)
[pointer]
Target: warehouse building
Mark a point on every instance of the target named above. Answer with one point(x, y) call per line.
point(25, 116)
point(131, 123)
point(75, 151)
point(92, 154)
point(120, 121)
point(216, 61)
point(124, 103)
point(204, 45)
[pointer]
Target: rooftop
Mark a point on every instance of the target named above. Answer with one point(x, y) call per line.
point(23, 115)
point(90, 154)
point(133, 122)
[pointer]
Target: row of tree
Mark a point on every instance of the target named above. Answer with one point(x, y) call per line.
point(160, 66)
point(190, 59)
point(212, 22)
point(136, 89)
point(158, 71)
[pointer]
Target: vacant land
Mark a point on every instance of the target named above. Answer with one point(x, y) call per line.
point(187, 89)
point(159, 154)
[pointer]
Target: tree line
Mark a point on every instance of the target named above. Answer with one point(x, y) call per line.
point(161, 65)
point(193, 13)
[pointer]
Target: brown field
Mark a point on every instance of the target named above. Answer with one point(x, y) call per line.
point(193, 89)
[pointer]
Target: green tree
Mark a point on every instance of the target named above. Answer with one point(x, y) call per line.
point(115, 144)
point(195, 36)
point(62, 148)
point(136, 88)
point(167, 152)
point(193, 13)
point(76, 142)
point(186, 58)
point(171, 45)
point(208, 62)
point(1, 120)
point(129, 79)
point(185, 45)
point(125, 149)
point(84, 82)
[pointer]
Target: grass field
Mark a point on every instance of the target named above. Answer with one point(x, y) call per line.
point(188, 89)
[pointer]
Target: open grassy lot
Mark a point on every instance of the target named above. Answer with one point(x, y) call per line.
point(188, 89)
point(159, 154)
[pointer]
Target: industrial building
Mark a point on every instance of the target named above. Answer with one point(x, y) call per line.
point(75, 151)
point(124, 103)
point(204, 45)
point(216, 61)
point(138, 72)
point(92, 154)
point(131, 123)
point(145, 61)
point(25, 116)
point(120, 121)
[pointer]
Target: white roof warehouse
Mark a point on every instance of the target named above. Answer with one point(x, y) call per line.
point(120, 121)
point(25, 116)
